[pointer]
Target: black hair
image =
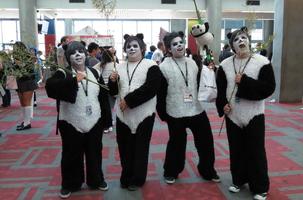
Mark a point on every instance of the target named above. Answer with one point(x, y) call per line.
point(170, 36)
point(106, 57)
point(71, 49)
point(92, 46)
point(232, 35)
point(152, 48)
point(139, 38)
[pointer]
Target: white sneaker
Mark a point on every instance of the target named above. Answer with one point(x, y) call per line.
point(261, 196)
point(105, 131)
point(234, 189)
point(110, 129)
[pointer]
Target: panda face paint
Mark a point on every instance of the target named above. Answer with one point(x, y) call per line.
point(241, 44)
point(77, 59)
point(177, 47)
point(133, 51)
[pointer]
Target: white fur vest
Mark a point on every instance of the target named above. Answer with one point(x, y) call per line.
point(175, 105)
point(243, 110)
point(75, 113)
point(134, 116)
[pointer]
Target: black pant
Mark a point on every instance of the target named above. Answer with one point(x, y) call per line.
point(176, 146)
point(248, 163)
point(134, 150)
point(6, 99)
point(76, 146)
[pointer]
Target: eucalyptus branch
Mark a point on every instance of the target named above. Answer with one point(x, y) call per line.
point(70, 71)
point(18, 62)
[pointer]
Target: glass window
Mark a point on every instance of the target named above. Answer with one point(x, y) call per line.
point(18, 31)
point(115, 29)
point(222, 34)
point(1, 32)
point(60, 29)
point(101, 27)
point(257, 34)
point(9, 31)
point(156, 25)
point(145, 28)
point(78, 25)
point(129, 27)
point(234, 24)
point(41, 43)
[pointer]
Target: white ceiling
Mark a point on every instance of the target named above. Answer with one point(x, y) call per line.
point(139, 9)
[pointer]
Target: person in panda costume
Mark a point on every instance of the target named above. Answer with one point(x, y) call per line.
point(244, 81)
point(81, 106)
point(138, 80)
point(178, 105)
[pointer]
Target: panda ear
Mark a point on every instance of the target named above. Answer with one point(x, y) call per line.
point(244, 29)
point(140, 36)
point(206, 26)
point(229, 35)
point(126, 36)
point(181, 34)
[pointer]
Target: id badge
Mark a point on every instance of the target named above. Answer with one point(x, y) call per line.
point(89, 110)
point(187, 97)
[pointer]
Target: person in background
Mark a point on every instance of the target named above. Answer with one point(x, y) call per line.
point(6, 94)
point(225, 53)
point(158, 53)
point(26, 83)
point(139, 81)
point(188, 53)
point(37, 71)
point(149, 54)
point(81, 120)
point(93, 50)
point(60, 52)
point(105, 68)
point(178, 105)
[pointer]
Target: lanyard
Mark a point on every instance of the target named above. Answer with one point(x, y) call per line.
point(240, 65)
point(85, 88)
point(185, 77)
point(131, 78)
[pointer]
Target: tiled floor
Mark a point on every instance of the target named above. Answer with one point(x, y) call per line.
point(30, 160)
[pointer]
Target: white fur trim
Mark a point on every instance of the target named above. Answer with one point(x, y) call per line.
point(75, 114)
point(175, 105)
point(133, 117)
point(245, 110)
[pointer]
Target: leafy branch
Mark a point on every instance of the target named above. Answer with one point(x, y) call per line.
point(18, 62)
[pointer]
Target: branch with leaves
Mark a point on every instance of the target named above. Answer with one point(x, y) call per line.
point(18, 63)
point(105, 7)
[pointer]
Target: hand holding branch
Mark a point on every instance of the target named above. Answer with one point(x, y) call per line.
point(123, 106)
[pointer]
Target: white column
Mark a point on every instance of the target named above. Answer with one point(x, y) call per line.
point(28, 22)
point(214, 18)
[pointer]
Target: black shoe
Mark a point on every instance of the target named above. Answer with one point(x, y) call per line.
point(22, 127)
point(64, 193)
point(169, 179)
point(234, 188)
point(103, 186)
point(20, 124)
point(216, 179)
point(132, 188)
point(5, 105)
